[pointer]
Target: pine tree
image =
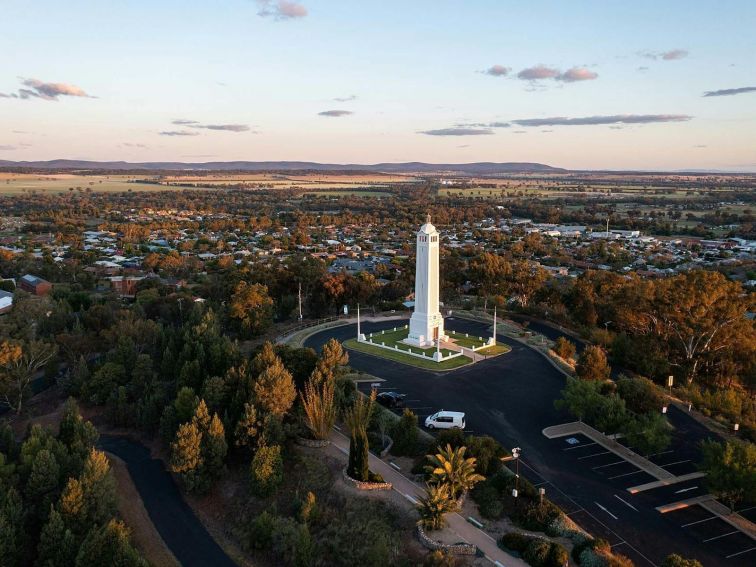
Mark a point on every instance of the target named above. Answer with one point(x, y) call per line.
point(98, 486)
point(109, 545)
point(275, 391)
point(248, 427)
point(265, 358)
point(214, 448)
point(266, 469)
point(57, 544)
point(43, 480)
point(186, 455)
point(72, 506)
point(201, 417)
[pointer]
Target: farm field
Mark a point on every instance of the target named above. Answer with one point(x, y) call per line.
point(17, 183)
point(278, 180)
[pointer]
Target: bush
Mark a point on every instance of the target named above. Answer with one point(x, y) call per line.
point(439, 558)
point(675, 560)
point(488, 500)
point(558, 556)
point(564, 348)
point(515, 541)
point(537, 552)
point(260, 531)
point(488, 452)
point(266, 470)
point(588, 545)
point(538, 517)
point(404, 434)
point(453, 437)
point(375, 477)
point(640, 394)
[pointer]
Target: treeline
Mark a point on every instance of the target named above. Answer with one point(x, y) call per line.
point(58, 499)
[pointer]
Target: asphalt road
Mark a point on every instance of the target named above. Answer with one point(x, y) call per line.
point(182, 532)
point(510, 397)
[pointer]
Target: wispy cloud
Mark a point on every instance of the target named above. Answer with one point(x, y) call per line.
point(730, 92)
point(458, 132)
point(335, 113)
point(538, 73)
point(484, 125)
point(577, 74)
point(130, 145)
point(34, 88)
point(700, 146)
point(670, 55)
point(281, 10)
point(542, 72)
point(600, 120)
point(178, 133)
point(349, 98)
point(7, 148)
point(498, 71)
point(221, 127)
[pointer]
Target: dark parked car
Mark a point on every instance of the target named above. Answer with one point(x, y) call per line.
point(391, 399)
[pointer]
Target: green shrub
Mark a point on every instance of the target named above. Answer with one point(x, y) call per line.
point(404, 433)
point(537, 517)
point(375, 477)
point(488, 500)
point(260, 531)
point(675, 560)
point(487, 451)
point(515, 541)
point(266, 470)
point(588, 544)
point(439, 558)
point(558, 556)
point(537, 552)
point(640, 394)
point(453, 437)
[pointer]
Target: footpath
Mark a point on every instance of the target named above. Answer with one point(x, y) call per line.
point(413, 492)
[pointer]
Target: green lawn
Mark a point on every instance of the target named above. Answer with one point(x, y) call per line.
point(405, 358)
point(395, 338)
point(494, 350)
point(463, 341)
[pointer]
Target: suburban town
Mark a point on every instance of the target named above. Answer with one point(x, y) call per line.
point(425, 284)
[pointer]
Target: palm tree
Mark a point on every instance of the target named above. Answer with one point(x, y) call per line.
point(437, 502)
point(320, 411)
point(450, 467)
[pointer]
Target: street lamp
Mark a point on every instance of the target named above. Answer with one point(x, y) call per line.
point(606, 325)
point(516, 456)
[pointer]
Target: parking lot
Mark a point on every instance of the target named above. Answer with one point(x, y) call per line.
point(716, 534)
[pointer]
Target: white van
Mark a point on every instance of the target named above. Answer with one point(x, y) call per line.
point(446, 420)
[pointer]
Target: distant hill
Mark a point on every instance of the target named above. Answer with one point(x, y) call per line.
point(481, 168)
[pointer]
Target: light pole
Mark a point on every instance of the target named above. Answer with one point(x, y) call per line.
point(516, 456)
point(606, 326)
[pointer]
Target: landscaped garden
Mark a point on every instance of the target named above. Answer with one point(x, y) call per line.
point(398, 356)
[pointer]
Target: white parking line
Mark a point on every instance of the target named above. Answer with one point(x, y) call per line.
point(594, 455)
point(657, 454)
point(609, 465)
point(605, 510)
point(579, 446)
point(719, 536)
point(699, 522)
point(626, 474)
point(617, 544)
point(685, 489)
point(740, 552)
point(745, 509)
point(626, 503)
point(675, 463)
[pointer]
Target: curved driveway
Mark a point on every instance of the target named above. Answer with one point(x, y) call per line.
point(511, 397)
point(182, 532)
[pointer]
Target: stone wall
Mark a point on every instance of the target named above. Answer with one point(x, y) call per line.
point(313, 443)
point(454, 548)
point(366, 485)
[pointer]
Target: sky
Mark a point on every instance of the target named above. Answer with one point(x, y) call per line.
point(605, 84)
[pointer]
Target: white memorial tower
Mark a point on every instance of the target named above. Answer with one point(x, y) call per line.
point(426, 324)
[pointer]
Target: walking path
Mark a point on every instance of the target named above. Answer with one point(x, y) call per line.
point(580, 428)
point(413, 492)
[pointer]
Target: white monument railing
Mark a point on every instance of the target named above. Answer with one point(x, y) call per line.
point(421, 354)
